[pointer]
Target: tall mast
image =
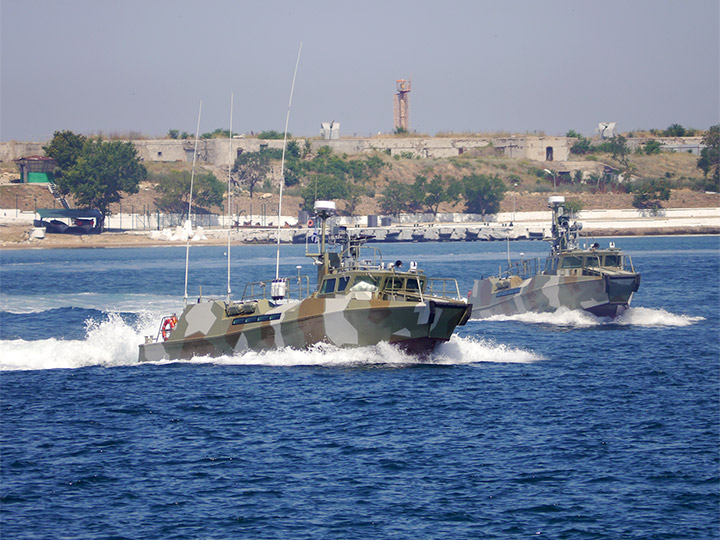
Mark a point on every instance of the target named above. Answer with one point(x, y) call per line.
point(282, 164)
point(188, 225)
point(229, 199)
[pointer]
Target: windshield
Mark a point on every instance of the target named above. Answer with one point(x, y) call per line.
point(613, 260)
point(571, 262)
point(364, 283)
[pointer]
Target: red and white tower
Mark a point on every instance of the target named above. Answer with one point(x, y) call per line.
point(401, 105)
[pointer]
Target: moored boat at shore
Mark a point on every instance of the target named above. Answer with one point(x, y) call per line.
point(599, 280)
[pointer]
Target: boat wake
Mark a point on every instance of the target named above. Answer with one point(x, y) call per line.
point(113, 342)
point(107, 302)
point(637, 316)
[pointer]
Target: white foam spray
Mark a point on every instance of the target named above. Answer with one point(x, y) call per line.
point(113, 342)
point(637, 316)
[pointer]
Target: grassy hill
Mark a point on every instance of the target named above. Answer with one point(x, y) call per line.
point(528, 186)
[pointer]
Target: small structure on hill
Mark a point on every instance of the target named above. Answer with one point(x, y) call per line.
point(330, 131)
point(606, 130)
point(36, 169)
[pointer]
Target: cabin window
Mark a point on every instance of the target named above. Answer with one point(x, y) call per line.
point(394, 284)
point(592, 261)
point(364, 284)
point(613, 260)
point(411, 284)
point(571, 262)
point(342, 283)
point(328, 286)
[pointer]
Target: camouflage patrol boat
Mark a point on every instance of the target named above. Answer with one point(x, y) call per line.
point(359, 301)
point(598, 280)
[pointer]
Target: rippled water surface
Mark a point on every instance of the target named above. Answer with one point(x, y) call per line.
point(556, 425)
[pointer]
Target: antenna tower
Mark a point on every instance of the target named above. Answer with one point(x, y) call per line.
point(401, 105)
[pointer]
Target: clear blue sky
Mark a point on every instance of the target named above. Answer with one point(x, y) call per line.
point(144, 65)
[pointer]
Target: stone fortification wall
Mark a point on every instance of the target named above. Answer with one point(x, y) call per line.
point(215, 151)
point(12, 150)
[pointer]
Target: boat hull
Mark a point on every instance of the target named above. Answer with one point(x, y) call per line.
point(603, 296)
point(204, 329)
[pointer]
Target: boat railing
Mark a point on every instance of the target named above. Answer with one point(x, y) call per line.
point(298, 287)
point(443, 288)
point(627, 261)
point(361, 258)
point(524, 268)
point(411, 290)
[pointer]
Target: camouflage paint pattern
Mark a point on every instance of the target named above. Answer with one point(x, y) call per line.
point(596, 294)
point(589, 278)
point(348, 320)
point(605, 291)
point(359, 301)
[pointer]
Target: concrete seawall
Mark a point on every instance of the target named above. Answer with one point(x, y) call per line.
point(419, 228)
point(527, 225)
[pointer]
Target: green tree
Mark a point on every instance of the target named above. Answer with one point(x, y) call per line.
point(292, 150)
point(323, 187)
point(354, 174)
point(483, 193)
point(173, 133)
point(101, 173)
point(573, 134)
point(649, 194)
point(675, 130)
point(374, 165)
point(250, 168)
point(709, 161)
point(573, 206)
point(174, 189)
point(581, 147)
point(219, 133)
point(396, 198)
point(355, 192)
point(429, 195)
point(272, 134)
point(619, 149)
point(652, 147)
point(65, 148)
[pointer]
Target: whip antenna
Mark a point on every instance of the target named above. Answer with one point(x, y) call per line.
point(229, 199)
point(282, 164)
point(188, 225)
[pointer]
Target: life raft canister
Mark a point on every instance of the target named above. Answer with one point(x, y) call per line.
point(168, 325)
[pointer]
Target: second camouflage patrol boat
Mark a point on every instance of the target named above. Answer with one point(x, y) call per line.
point(601, 281)
point(359, 301)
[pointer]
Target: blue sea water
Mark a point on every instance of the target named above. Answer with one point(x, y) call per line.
point(553, 425)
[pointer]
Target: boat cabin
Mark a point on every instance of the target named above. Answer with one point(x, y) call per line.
point(367, 285)
point(586, 262)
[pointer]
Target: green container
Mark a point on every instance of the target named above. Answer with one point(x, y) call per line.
point(40, 178)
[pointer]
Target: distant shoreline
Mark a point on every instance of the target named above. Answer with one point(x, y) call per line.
point(109, 240)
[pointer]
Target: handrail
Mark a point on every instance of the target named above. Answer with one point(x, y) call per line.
point(445, 293)
point(523, 268)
